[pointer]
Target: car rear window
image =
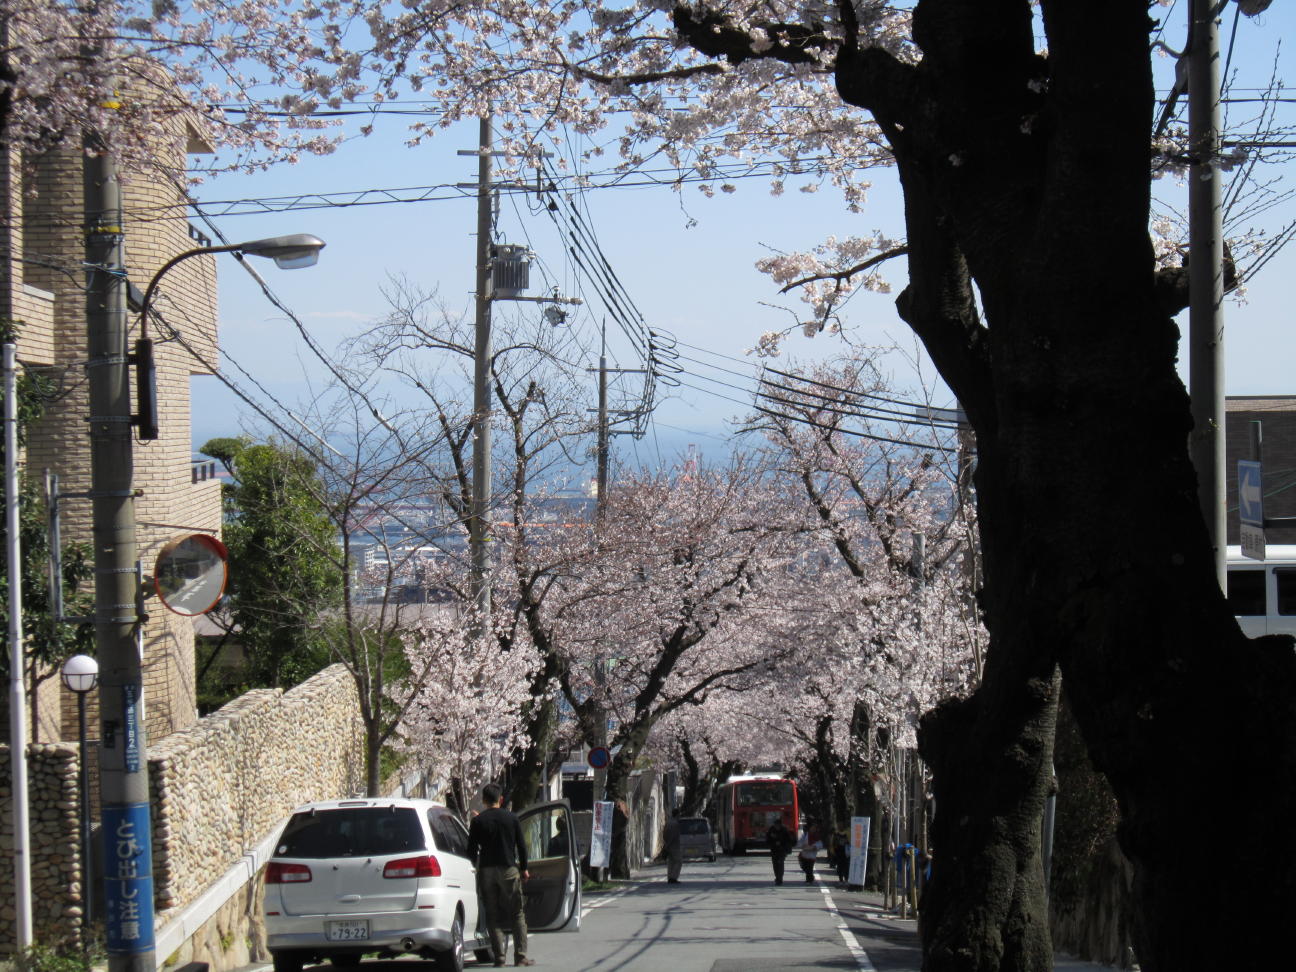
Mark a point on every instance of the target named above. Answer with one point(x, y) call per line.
point(351, 832)
point(693, 827)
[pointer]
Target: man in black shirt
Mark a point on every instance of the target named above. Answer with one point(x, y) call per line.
point(780, 841)
point(495, 845)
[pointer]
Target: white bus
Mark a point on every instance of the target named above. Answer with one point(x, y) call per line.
point(1262, 593)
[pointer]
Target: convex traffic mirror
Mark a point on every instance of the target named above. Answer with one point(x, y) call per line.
point(190, 574)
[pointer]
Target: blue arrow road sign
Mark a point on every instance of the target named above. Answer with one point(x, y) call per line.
point(1250, 497)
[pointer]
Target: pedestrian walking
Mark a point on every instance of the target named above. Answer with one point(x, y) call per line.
point(674, 853)
point(495, 845)
point(780, 841)
point(808, 851)
point(841, 857)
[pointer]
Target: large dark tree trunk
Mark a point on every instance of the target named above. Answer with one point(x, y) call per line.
point(1029, 177)
point(862, 792)
point(700, 784)
point(1090, 887)
point(527, 771)
point(619, 782)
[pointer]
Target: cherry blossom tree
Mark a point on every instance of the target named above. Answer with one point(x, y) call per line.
point(468, 714)
point(1032, 284)
point(537, 540)
point(904, 633)
point(365, 486)
point(711, 741)
point(684, 559)
point(136, 75)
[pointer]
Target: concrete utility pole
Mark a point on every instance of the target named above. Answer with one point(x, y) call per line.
point(123, 768)
point(1206, 274)
point(481, 482)
point(600, 501)
point(17, 667)
point(600, 508)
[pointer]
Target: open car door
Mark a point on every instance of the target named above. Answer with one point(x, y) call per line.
point(553, 894)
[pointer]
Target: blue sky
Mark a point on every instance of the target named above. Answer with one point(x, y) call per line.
point(686, 260)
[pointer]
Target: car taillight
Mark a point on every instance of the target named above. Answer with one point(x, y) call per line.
point(278, 872)
point(413, 867)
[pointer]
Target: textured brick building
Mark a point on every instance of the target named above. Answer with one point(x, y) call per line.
point(42, 285)
point(1277, 415)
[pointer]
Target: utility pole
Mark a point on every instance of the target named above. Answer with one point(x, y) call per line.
point(600, 507)
point(123, 768)
point(602, 466)
point(481, 482)
point(17, 668)
point(605, 432)
point(1206, 275)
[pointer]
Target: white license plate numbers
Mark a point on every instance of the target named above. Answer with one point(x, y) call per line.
point(348, 931)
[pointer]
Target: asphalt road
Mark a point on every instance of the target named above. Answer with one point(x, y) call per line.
point(728, 916)
point(725, 916)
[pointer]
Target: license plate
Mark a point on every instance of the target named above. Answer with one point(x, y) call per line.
point(348, 931)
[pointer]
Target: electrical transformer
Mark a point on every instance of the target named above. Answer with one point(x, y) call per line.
point(510, 269)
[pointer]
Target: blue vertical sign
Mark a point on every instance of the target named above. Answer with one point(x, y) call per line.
point(859, 850)
point(128, 879)
point(1250, 487)
point(131, 727)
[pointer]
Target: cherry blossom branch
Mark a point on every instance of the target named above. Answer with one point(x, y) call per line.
point(645, 77)
point(713, 34)
point(842, 276)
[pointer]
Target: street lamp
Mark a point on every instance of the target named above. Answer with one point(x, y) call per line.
point(81, 675)
point(290, 252)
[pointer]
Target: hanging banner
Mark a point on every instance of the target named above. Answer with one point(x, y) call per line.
point(859, 850)
point(601, 838)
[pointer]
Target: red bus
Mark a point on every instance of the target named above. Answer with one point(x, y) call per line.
point(749, 806)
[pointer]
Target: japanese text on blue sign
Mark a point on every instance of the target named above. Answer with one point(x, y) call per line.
point(128, 879)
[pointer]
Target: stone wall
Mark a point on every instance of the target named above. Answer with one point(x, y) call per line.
point(221, 785)
point(218, 789)
point(53, 839)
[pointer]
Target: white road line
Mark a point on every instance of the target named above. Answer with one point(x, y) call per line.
point(603, 898)
point(852, 943)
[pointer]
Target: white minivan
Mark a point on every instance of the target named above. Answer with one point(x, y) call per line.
point(1262, 593)
point(389, 876)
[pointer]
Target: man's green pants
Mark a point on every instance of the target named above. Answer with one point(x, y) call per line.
point(500, 890)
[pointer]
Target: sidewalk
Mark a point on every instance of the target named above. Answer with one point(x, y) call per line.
point(863, 910)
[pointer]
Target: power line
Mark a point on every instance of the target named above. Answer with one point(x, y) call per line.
point(800, 420)
point(830, 403)
point(447, 192)
point(914, 416)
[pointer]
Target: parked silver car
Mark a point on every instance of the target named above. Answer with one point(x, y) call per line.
point(392, 876)
point(696, 839)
